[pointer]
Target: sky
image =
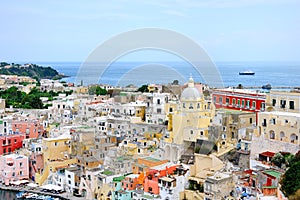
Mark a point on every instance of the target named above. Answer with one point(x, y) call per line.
point(228, 30)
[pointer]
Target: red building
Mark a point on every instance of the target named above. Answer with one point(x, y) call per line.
point(239, 99)
point(29, 129)
point(9, 143)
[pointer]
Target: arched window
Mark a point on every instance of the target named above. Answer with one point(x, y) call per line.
point(191, 106)
point(282, 135)
point(293, 138)
point(272, 135)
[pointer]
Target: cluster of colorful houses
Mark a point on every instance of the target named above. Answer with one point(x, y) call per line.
point(174, 142)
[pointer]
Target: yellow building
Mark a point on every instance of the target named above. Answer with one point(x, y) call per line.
point(189, 123)
point(82, 90)
point(232, 125)
point(140, 111)
point(56, 153)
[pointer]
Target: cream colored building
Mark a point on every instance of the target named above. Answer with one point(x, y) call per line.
point(204, 166)
point(283, 101)
point(218, 186)
point(278, 129)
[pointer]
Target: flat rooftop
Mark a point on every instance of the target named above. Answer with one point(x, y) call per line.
point(279, 113)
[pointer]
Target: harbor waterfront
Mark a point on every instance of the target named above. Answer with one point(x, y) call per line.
point(9, 193)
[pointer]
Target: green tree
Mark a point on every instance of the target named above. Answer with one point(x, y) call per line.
point(240, 86)
point(97, 90)
point(100, 91)
point(289, 159)
point(291, 180)
point(143, 88)
point(278, 159)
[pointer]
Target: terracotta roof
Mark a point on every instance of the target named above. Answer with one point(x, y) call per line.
point(267, 154)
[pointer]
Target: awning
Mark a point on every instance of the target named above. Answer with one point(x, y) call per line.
point(32, 185)
point(51, 187)
point(19, 182)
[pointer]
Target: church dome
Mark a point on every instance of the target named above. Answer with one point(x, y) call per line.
point(190, 93)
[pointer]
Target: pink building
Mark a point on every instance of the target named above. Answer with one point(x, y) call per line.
point(29, 129)
point(13, 168)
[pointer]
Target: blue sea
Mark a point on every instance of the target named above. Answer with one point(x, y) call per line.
point(138, 73)
point(7, 195)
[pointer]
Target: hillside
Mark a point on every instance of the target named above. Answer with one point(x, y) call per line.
point(32, 70)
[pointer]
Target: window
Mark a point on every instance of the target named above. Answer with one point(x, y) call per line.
point(192, 132)
point(243, 103)
point(262, 106)
point(55, 144)
point(198, 105)
point(220, 100)
point(273, 102)
point(282, 103)
point(233, 102)
point(215, 99)
point(21, 173)
point(248, 104)
point(158, 101)
point(21, 164)
point(264, 123)
point(191, 106)
point(282, 135)
point(293, 138)
point(292, 105)
point(272, 135)
point(183, 105)
point(239, 102)
point(273, 121)
point(170, 109)
point(250, 120)
point(227, 100)
point(253, 104)
point(201, 132)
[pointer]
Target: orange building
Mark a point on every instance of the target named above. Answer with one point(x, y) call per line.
point(152, 177)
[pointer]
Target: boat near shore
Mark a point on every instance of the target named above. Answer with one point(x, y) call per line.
point(29, 195)
point(248, 72)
